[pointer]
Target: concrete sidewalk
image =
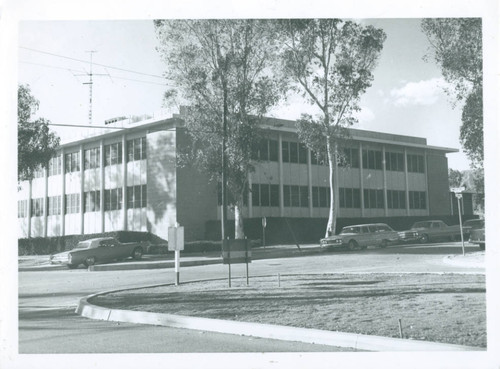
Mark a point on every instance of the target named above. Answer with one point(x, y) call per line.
point(41, 262)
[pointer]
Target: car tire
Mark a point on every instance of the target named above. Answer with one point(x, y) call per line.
point(383, 244)
point(89, 261)
point(72, 266)
point(137, 253)
point(424, 238)
point(352, 245)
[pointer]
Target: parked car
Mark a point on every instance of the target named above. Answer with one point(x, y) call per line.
point(97, 250)
point(471, 224)
point(361, 236)
point(477, 237)
point(430, 230)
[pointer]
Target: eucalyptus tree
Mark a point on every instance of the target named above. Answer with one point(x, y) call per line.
point(222, 70)
point(36, 143)
point(456, 46)
point(331, 63)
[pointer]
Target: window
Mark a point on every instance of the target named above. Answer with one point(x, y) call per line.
point(92, 201)
point(294, 152)
point(265, 195)
point(39, 172)
point(92, 158)
point(415, 163)
point(321, 197)
point(37, 207)
point(136, 149)
point(417, 200)
point(302, 153)
point(55, 165)
point(72, 203)
point(304, 196)
point(349, 198)
point(273, 150)
point(137, 197)
point(394, 161)
point(22, 208)
point(113, 199)
point(374, 199)
point(396, 199)
point(372, 159)
point(113, 154)
point(72, 162)
point(54, 205)
point(351, 157)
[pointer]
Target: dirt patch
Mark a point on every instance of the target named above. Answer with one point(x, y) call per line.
point(449, 308)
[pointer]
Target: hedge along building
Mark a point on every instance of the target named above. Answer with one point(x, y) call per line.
point(128, 180)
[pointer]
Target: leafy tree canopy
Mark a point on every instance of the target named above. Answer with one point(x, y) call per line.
point(36, 144)
point(456, 46)
point(214, 63)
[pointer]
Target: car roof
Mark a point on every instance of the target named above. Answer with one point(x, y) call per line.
point(97, 239)
point(369, 224)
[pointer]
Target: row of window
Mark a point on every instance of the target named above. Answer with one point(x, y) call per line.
point(296, 152)
point(136, 150)
point(136, 198)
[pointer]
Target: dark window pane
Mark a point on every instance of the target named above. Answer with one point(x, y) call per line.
point(264, 151)
point(302, 153)
point(294, 152)
point(342, 201)
point(295, 196)
point(286, 195)
point(273, 150)
point(356, 198)
point(255, 195)
point(315, 195)
point(264, 195)
point(285, 151)
point(275, 195)
point(304, 196)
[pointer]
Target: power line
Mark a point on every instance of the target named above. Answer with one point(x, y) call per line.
point(85, 61)
point(75, 70)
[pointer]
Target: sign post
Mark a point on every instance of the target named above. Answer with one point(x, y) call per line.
point(176, 244)
point(458, 195)
point(234, 252)
point(264, 224)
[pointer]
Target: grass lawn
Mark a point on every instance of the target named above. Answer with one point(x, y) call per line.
point(448, 308)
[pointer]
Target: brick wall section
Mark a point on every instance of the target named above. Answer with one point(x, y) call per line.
point(196, 196)
point(161, 182)
point(437, 181)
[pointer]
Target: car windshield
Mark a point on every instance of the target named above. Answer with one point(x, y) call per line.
point(350, 230)
point(83, 245)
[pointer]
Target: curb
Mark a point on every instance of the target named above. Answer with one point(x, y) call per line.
point(269, 331)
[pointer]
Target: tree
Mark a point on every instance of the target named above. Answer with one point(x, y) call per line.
point(456, 46)
point(223, 70)
point(331, 63)
point(36, 143)
point(455, 178)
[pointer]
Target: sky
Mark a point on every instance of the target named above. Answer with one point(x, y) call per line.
point(406, 96)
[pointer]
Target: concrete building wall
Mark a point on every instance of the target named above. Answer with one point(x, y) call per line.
point(437, 182)
point(161, 182)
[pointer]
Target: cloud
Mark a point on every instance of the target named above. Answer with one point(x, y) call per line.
point(418, 93)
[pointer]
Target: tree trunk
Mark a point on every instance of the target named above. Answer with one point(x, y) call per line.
point(238, 222)
point(332, 164)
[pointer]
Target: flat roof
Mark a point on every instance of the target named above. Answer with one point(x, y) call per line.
point(283, 125)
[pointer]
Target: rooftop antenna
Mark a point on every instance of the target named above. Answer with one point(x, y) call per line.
point(90, 83)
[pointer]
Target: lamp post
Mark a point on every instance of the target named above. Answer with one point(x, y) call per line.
point(458, 195)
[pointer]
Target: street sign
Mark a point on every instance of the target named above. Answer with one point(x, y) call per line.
point(175, 238)
point(236, 251)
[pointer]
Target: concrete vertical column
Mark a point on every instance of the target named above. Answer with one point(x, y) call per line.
point(82, 190)
point(30, 208)
point(384, 170)
point(309, 182)
point(361, 180)
point(46, 201)
point(101, 165)
point(427, 205)
point(407, 188)
point(124, 176)
point(63, 193)
point(280, 167)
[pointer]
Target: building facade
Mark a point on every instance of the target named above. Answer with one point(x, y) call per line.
point(128, 180)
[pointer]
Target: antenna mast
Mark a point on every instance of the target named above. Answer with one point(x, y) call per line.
point(90, 83)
